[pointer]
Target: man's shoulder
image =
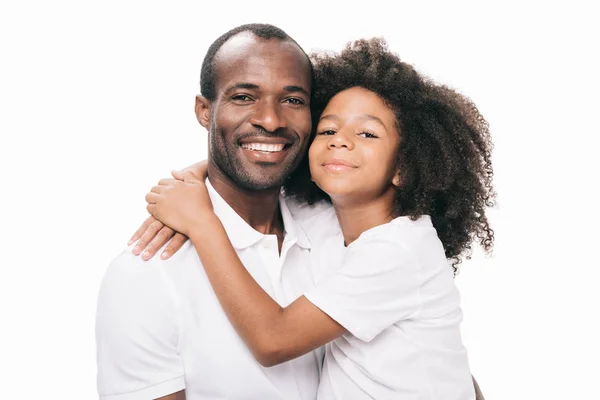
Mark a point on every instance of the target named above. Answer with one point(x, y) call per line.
point(128, 273)
point(137, 297)
point(137, 326)
point(126, 263)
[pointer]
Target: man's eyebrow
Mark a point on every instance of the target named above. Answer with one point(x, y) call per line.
point(296, 89)
point(241, 85)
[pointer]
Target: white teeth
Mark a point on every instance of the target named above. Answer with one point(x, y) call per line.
point(263, 147)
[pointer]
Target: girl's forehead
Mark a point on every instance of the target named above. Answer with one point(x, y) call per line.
point(358, 103)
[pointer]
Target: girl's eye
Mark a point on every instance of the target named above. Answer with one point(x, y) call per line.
point(368, 135)
point(327, 132)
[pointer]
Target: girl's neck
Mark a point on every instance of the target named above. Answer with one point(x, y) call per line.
point(355, 217)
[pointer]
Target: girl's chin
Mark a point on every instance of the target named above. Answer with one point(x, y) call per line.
point(337, 189)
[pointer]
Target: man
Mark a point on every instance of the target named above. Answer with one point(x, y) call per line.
point(161, 332)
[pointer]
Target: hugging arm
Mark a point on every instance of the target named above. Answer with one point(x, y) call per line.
point(360, 297)
point(273, 333)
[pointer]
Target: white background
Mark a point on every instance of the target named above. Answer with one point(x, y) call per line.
point(96, 104)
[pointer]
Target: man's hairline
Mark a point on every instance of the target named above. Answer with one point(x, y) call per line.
point(216, 55)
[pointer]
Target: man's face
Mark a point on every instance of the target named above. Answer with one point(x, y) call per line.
point(260, 120)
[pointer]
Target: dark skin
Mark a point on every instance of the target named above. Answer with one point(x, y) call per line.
point(275, 334)
point(263, 92)
point(268, 221)
point(174, 396)
point(263, 97)
point(352, 159)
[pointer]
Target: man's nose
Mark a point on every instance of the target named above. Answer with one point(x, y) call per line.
point(268, 116)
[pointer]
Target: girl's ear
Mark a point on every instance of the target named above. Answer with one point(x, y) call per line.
point(396, 181)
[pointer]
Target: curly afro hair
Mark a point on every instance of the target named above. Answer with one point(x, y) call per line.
point(444, 157)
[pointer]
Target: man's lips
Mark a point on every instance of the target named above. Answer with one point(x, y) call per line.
point(269, 145)
point(266, 147)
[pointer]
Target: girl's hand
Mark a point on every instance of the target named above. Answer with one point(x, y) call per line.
point(153, 234)
point(180, 204)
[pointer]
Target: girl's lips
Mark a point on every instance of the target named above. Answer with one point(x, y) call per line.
point(338, 165)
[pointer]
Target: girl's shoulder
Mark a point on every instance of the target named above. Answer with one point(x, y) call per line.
point(402, 230)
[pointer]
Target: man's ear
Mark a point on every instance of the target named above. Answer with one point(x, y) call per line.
point(202, 109)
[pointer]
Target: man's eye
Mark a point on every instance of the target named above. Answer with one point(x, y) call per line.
point(295, 101)
point(241, 97)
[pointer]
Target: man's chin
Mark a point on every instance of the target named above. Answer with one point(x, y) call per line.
point(261, 178)
point(257, 186)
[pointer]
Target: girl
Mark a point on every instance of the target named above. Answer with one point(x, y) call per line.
point(406, 165)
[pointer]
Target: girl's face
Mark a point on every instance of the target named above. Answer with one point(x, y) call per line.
point(354, 152)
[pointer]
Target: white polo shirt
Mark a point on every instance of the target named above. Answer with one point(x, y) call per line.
point(393, 290)
point(160, 328)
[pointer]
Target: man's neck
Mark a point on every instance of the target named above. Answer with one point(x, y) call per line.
point(259, 208)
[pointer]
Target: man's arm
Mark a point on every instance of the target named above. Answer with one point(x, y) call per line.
point(174, 396)
point(137, 332)
point(478, 394)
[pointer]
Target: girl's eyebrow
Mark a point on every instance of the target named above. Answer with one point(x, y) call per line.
point(360, 116)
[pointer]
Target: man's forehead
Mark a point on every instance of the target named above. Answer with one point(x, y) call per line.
point(248, 55)
point(239, 43)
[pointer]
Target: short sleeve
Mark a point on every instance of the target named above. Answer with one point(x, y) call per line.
point(376, 286)
point(137, 332)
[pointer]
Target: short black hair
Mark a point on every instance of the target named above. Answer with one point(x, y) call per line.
point(265, 31)
point(444, 156)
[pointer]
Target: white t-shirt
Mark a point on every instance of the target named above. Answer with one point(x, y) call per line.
point(393, 290)
point(160, 328)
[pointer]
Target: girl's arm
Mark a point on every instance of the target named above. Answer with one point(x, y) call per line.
point(274, 334)
point(377, 285)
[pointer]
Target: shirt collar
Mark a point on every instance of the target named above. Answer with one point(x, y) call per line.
point(293, 231)
point(243, 235)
